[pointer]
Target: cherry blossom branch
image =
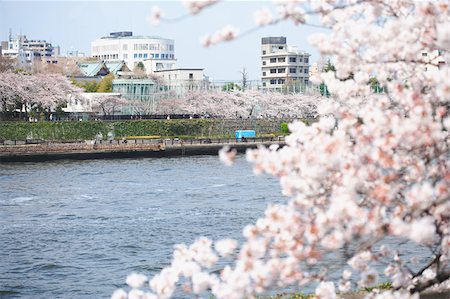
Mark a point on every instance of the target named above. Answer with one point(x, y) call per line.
point(440, 277)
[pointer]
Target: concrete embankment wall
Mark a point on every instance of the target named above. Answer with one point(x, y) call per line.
point(55, 151)
point(118, 149)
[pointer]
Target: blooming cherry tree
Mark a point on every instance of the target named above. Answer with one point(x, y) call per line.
point(372, 168)
point(39, 91)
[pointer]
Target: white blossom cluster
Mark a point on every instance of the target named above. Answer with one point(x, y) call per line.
point(227, 33)
point(372, 167)
point(196, 6)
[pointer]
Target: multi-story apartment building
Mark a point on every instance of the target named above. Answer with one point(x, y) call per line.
point(41, 48)
point(282, 65)
point(25, 50)
point(149, 50)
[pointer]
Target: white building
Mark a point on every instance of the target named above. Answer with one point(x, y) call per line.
point(13, 49)
point(282, 65)
point(87, 102)
point(25, 50)
point(39, 47)
point(153, 65)
point(134, 49)
point(183, 79)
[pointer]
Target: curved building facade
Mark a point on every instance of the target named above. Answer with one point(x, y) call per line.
point(132, 49)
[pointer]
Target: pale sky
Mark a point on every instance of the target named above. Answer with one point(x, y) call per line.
point(74, 24)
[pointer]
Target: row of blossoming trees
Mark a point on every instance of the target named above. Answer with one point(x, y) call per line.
point(38, 93)
point(237, 104)
point(373, 173)
point(46, 92)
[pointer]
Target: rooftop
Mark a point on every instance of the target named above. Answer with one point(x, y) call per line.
point(273, 40)
point(129, 35)
point(181, 69)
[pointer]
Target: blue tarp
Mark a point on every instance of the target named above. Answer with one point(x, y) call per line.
point(245, 133)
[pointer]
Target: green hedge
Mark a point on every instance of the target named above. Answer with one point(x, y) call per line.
point(162, 127)
point(87, 130)
point(52, 130)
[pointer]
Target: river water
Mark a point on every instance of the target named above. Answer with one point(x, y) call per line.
point(76, 229)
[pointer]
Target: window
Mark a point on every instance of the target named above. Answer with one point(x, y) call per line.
point(424, 54)
point(282, 59)
point(145, 55)
point(273, 71)
point(264, 73)
point(156, 55)
point(264, 52)
point(135, 55)
point(306, 81)
point(306, 59)
point(140, 55)
point(280, 48)
point(292, 59)
point(125, 56)
point(281, 70)
point(292, 70)
point(191, 76)
point(300, 59)
point(280, 81)
point(305, 70)
point(273, 60)
point(264, 84)
point(273, 81)
point(264, 63)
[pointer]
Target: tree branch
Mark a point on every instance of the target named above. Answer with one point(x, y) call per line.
point(440, 277)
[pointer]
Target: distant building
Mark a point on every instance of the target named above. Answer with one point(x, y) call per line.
point(131, 49)
point(87, 104)
point(25, 50)
point(135, 89)
point(182, 79)
point(39, 47)
point(154, 65)
point(13, 49)
point(75, 53)
point(281, 64)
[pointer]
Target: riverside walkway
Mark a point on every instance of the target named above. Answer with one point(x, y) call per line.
point(22, 151)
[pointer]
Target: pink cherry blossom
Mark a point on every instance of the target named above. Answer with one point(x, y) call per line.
point(373, 170)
